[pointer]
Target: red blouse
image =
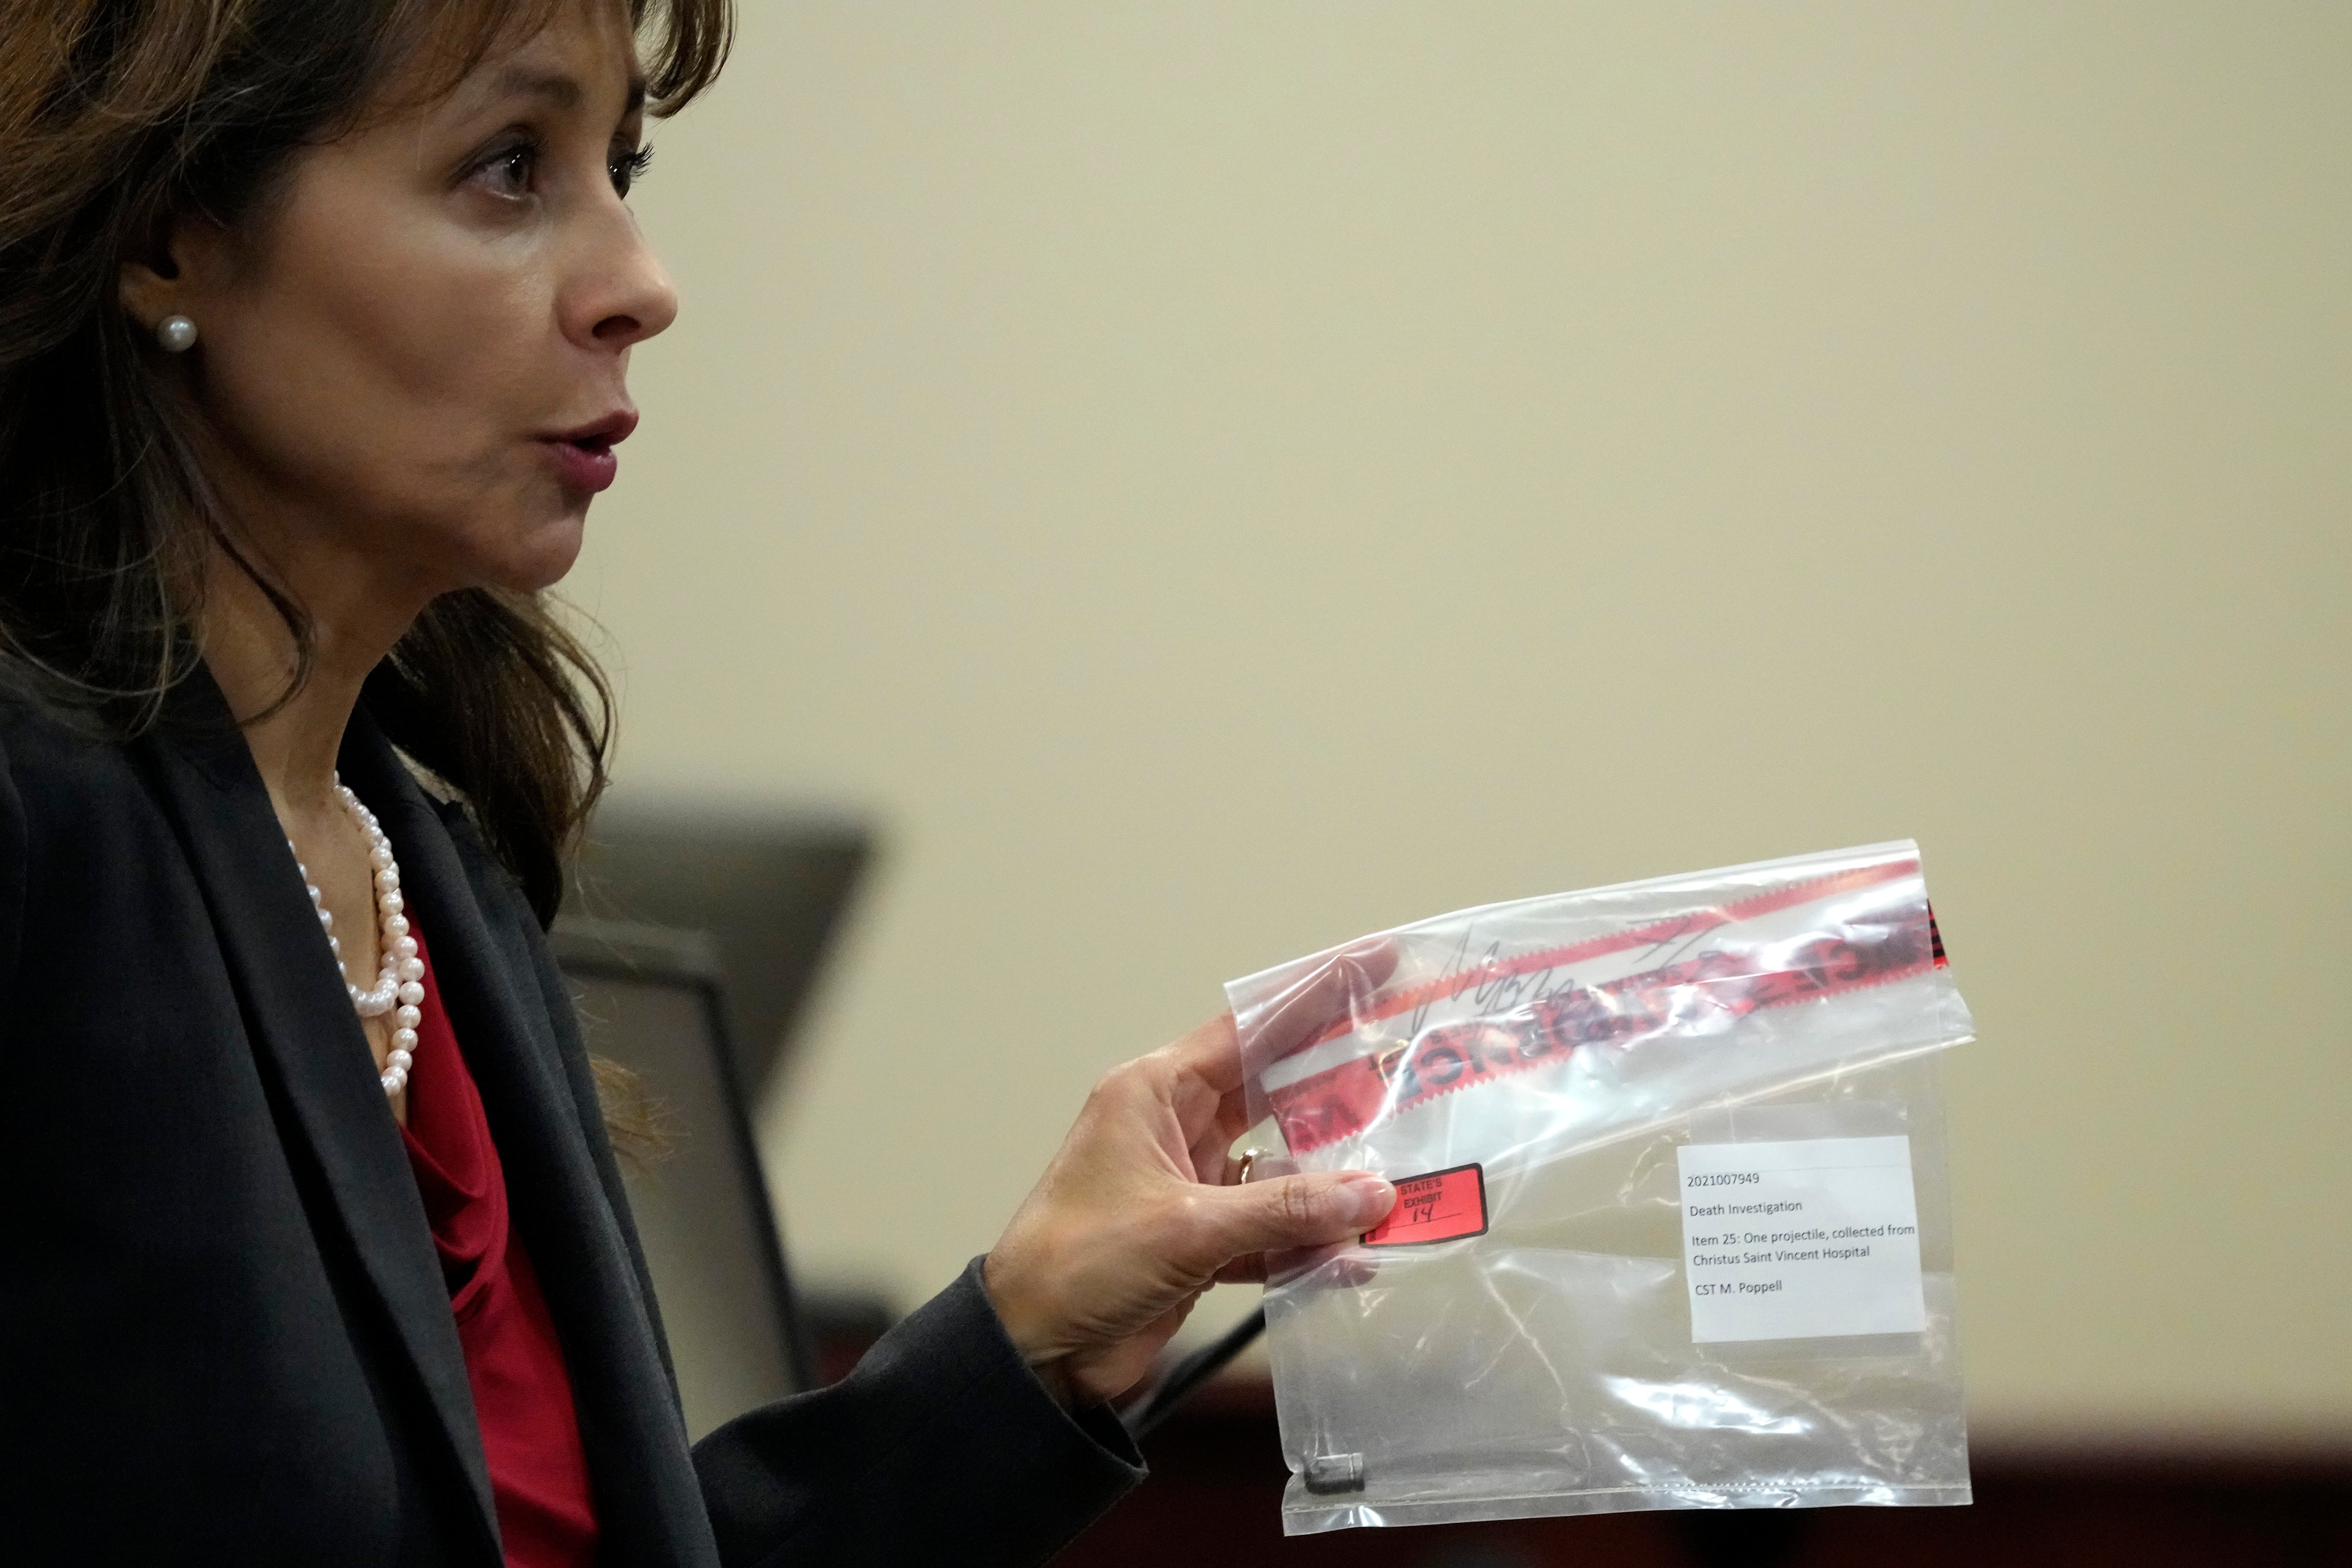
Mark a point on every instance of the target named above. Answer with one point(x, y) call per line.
point(522, 1391)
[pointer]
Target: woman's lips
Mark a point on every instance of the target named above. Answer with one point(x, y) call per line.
point(583, 455)
point(588, 464)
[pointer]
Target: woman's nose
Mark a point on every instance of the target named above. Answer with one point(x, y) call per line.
point(624, 295)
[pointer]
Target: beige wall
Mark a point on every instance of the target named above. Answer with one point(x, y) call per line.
point(1216, 478)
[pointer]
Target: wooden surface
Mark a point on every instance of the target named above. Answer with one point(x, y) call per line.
point(1217, 1478)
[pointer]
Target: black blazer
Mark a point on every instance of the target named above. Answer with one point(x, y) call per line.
point(224, 1332)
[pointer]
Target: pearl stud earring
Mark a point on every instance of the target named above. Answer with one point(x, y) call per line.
point(176, 333)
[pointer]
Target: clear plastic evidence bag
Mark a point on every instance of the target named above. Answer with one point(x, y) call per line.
point(1673, 1228)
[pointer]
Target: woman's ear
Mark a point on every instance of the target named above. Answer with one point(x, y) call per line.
point(165, 279)
point(148, 294)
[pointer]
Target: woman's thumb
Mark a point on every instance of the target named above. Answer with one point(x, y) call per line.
point(1300, 1211)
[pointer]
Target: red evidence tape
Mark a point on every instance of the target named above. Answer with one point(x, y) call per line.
point(1657, 934)
point(1717, 988)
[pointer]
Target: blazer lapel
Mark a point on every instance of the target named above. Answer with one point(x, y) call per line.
point(305, 1034)
point(541, 1106)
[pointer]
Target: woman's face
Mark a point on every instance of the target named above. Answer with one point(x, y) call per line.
point(415, 354)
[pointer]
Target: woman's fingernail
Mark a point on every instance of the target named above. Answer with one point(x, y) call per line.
point(1373, 1198)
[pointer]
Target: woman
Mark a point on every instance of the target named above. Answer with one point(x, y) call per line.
point(314, 320)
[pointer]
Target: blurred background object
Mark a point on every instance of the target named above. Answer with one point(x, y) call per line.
point(699, 1009)
point(1212, 480)
point(768, 887)
point(650, 1000)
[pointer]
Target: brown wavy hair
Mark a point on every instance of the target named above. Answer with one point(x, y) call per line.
point(115, 116)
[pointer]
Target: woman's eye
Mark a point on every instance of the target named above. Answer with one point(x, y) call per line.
point(509, 173)
point(626, 168)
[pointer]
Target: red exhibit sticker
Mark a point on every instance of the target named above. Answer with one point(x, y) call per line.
point(1439, 1207)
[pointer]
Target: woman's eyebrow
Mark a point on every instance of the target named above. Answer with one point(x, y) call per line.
point(559, 87)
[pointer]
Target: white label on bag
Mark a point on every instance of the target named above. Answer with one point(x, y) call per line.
point(1800, 1240)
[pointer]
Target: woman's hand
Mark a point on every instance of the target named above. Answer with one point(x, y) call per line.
point(1136, 1216)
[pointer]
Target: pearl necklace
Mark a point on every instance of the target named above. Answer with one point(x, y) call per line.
point(399, 987)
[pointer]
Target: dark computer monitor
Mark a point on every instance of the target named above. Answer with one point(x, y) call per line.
point(769, 885)
point(651, 999)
